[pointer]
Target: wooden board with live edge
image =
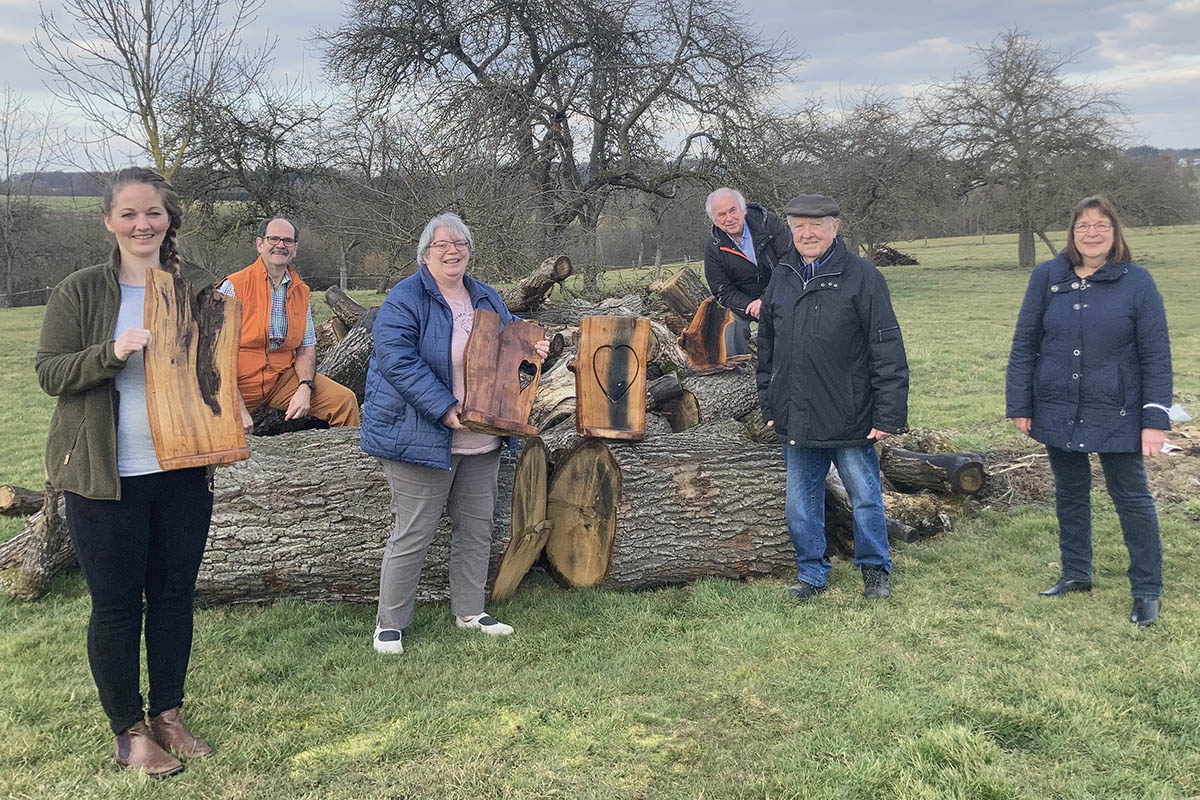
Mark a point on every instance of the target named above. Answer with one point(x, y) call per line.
point(501, 371)
point(610, 377)
point(191, 374)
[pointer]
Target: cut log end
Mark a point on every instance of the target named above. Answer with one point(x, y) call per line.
point(582, 508)
point(530, 529)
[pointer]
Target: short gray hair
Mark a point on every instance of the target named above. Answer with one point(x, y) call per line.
point(447, 220)
point(262, 227)
point(712, 198)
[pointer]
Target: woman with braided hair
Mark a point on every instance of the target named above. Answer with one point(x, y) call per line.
point(139, 531)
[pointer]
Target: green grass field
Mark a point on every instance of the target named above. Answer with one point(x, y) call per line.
point(964, 685)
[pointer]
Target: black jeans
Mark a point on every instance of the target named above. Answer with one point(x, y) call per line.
point(1125, 475)
point(147, 544)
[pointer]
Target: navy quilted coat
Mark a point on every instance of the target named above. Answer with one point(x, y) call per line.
point(1091, 361)
point(408, 377)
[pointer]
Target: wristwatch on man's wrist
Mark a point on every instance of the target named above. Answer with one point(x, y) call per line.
point(309, 383)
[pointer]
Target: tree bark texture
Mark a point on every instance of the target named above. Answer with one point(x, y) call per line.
point(683, 293)
point(35, 555)
point(958, 473)
point(344, 307)
point(307, 516)
point(16, 501)
point(532, 290)
point(347, 362)
point(672, 508)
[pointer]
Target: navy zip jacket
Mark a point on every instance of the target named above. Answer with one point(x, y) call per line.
point(735, 280)
point(831, 362)
point(408, 378)
point(1091, 360)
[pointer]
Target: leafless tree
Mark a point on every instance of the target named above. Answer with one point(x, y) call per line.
point(575, 100)
point(26, 147)
point(146, 71)
point(1012, 117)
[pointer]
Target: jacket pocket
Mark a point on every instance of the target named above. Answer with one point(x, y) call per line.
point(1103, 386)
point(1050, 382)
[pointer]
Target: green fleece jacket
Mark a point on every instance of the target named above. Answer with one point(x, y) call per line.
point(76, 363)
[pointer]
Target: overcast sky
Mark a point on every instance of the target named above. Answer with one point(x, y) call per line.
point(1147, 50)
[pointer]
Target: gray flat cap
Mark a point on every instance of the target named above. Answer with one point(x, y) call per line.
point(811, 205)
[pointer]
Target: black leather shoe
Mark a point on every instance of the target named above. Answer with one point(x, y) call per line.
point(801, 591)
point(875, 583)
point(1145, 611)
point(1065, 586)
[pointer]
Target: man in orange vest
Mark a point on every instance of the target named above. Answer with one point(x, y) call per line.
point(277, 359)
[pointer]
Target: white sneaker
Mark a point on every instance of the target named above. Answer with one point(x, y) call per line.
point(388, 641)
point(484, 623)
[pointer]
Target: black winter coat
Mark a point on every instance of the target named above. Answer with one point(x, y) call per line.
point(831, 362)
point(1091, 360)
point(735, 280)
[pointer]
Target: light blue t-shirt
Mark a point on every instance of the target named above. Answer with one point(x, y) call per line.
point(135, 447)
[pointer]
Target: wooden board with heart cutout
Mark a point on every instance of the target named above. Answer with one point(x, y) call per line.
point(501, 371)
point(610, 377)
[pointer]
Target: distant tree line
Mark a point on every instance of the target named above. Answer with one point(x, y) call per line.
point(592, 128)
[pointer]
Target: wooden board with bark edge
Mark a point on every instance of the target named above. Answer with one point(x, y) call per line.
point(581, 508)
point(501, 371)
point(704, 339)
point(530, 529)
point(610, 377)
point(191, 374)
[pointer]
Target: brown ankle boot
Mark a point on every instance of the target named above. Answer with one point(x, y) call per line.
point(172, 734)
point(136, 749)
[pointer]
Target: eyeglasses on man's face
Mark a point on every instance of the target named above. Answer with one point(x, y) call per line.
point(1103, 226)
point(286, 241)
point(445, 247)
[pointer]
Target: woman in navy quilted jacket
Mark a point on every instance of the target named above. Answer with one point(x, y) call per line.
point(1090, 372)
point(410, 422)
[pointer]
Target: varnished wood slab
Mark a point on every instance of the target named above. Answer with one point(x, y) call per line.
point(704, 339)
point(610, 377)
point(501, 371)
point(191, 374)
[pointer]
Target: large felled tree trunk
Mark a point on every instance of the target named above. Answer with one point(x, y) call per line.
point(35, 555)
point(668, 510)
point(307, 516)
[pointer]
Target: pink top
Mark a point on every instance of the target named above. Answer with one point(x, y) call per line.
point(464, 442)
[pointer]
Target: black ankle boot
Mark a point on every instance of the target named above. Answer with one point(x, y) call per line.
point(1145, 611)
point(1065, 586)
point(875, 582)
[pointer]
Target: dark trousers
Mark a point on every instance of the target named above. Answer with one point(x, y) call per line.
point(1125, 475)
point(146, 545)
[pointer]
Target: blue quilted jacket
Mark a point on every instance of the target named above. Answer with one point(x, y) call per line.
point(408, 378)
point(1091, 359)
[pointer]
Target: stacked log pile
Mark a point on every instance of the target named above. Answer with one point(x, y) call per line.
point(701, 495)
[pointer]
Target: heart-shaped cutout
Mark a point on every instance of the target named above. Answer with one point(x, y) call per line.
point(526, 374)
point(615, 367)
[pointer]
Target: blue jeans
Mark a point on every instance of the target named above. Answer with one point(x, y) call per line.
point(1125, 475)
point(859, 471)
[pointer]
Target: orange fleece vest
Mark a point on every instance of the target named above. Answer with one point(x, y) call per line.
point(259, 367)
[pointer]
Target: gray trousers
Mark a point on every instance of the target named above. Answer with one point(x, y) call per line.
point(467, 491)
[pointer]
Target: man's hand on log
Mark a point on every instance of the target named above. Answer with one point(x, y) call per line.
point(1024, 424)
point(754, 308)
point(301, 400)
point(131, 341)
point(877, 435)
point(542, 348)
point(1152, 442)
point(450, 418)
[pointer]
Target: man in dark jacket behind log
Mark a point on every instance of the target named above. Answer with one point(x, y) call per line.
point(832, 381)
point(746, 242)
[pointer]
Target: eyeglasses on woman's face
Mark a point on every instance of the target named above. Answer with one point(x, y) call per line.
point(446, 246)
point(1103, 226)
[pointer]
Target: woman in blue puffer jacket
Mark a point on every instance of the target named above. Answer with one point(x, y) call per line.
point(1090, 372)
point(410, 423)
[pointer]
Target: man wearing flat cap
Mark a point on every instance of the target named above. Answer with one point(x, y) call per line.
point(740, 254)
point(832, 381)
